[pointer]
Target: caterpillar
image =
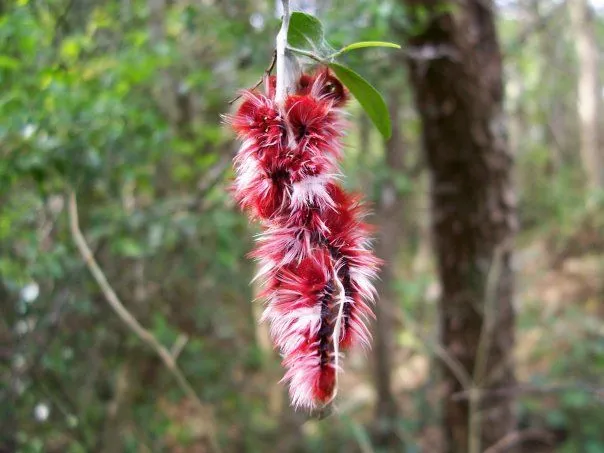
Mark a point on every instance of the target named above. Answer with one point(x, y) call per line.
point(314, 253)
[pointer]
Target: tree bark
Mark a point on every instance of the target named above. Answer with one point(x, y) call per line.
point(588, 93)
point(456, 71)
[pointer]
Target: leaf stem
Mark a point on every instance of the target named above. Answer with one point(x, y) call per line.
point(310, 55)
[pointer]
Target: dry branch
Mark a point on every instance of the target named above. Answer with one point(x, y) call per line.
point(167, 358)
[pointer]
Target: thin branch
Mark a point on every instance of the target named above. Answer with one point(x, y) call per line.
point(528, 389)
point(179, 345)
point(267, 72)
point(310, 55)
point(518, 437)
point(488, 318)
point(454, 365)
point(362, 440)
point(500, 367)
point(131, 322)
point(483, 350)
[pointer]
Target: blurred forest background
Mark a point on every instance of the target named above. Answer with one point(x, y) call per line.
point(120, 100)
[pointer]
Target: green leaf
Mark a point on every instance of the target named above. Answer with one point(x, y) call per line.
point(363, 44)
point(370, 99)
point(8, 62)
point(129, 248)
point(305, 31)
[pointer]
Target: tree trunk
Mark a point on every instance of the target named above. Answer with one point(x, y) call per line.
point(389, 213)
point(588, 90)
point(456, 72)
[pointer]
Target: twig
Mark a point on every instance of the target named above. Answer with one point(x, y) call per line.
point(482, 351)
point(528, 389)
point(178, 346)
point(113, 300)
point(312, 56)
point(488, 317)
point(358, 432)
point(267, 72)
point(500, 368)
point(454, 365)
point(363, 442)
point(517, 437)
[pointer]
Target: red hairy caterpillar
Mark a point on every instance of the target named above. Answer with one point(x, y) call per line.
point(314, 253)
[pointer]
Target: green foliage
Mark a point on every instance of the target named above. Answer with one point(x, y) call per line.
point(100, 98)
point(365, 44)
point(306, 32)
point(84, 106)
point(369, 98)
